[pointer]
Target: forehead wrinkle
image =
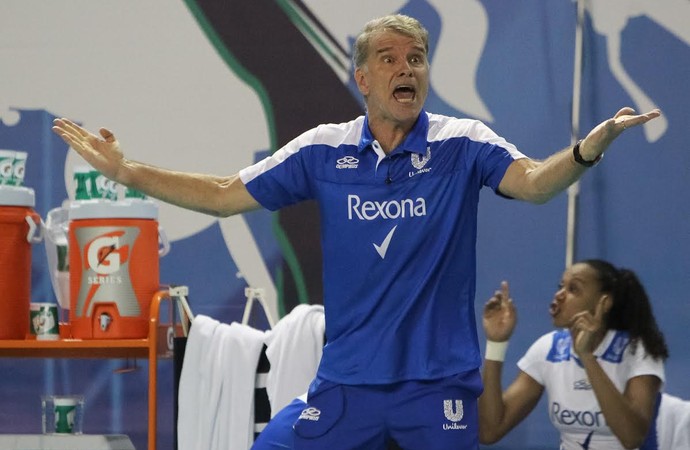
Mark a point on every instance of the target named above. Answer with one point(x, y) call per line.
point(389, 48)
point(420, 49)
point(384, 49)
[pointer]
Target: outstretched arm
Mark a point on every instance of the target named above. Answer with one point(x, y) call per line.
point(209, 194)
point(500, 412)
point(539, 181)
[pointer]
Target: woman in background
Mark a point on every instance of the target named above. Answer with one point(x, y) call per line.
point(602, 369)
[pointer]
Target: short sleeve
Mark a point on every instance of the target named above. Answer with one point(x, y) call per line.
point(534, 360)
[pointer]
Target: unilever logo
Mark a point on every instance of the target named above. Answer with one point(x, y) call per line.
point(418, 162)
point(453, 411)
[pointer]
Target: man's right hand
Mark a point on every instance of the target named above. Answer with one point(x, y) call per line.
point(103, 153)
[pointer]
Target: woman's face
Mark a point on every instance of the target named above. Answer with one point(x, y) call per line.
point(579, 290)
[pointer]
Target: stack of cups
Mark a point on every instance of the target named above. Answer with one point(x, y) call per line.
point(12, 165)
point(92, 185)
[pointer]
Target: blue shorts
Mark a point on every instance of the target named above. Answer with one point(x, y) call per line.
point(431, 414)
point(278, 434)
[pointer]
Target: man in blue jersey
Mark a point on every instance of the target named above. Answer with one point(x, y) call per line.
point(398, 190)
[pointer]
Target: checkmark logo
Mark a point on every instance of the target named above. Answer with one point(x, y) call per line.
point(383, 248)
point(585, 445)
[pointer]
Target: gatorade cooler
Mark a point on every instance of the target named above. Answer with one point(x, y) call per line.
point(20, 226)
point(114, 250)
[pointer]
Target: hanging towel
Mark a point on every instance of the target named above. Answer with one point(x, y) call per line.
point(239, 357)
point(194, 380)
point(294, 348)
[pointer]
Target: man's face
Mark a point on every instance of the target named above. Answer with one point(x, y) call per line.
point(395, 78)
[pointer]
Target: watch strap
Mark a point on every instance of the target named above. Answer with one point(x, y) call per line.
point(582, 161)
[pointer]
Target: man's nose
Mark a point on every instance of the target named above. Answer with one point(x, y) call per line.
point(405, 70)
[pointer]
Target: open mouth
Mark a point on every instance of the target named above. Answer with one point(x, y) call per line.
point(404, 93)
point(553, 309)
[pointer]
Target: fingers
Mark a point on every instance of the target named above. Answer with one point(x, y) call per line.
point(579, 319)
point(500, 305)
point(631, 113)
point(107, 135)
point(625, 111)
point(577, 326)
point(502, 295)
point(69, 126)
point(71, 133)
point(579, 315)
point(65, 133)
point(627, 117)
point(505, 291)
point(584, 321)
point(656, 112)
point(494, 303)
point(78, 138)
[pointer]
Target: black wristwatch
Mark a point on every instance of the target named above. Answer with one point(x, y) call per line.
point(580, 160)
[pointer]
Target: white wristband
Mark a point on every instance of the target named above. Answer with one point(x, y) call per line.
point(496, 351)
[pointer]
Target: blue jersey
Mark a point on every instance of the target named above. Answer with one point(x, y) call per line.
point(398, 236)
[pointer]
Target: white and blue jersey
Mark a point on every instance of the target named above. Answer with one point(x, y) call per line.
point(398, 236)
point(573, 408)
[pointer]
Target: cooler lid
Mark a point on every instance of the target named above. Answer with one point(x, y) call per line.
point(17, 196)
point(108, 209)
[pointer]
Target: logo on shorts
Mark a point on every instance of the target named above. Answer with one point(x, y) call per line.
point(310, 413)
point(453, 410)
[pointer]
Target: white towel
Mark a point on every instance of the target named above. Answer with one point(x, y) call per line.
point(673, 423)
point(216, 393)
point(211, 397)
point(193, 381)
point(294, 348)
point(234, 426)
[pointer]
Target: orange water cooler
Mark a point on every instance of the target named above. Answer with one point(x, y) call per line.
point(114, 250)
point(20, 226)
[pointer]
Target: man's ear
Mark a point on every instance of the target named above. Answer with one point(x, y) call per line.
point(361, 80)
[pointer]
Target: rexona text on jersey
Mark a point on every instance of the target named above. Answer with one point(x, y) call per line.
point(398, 236)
